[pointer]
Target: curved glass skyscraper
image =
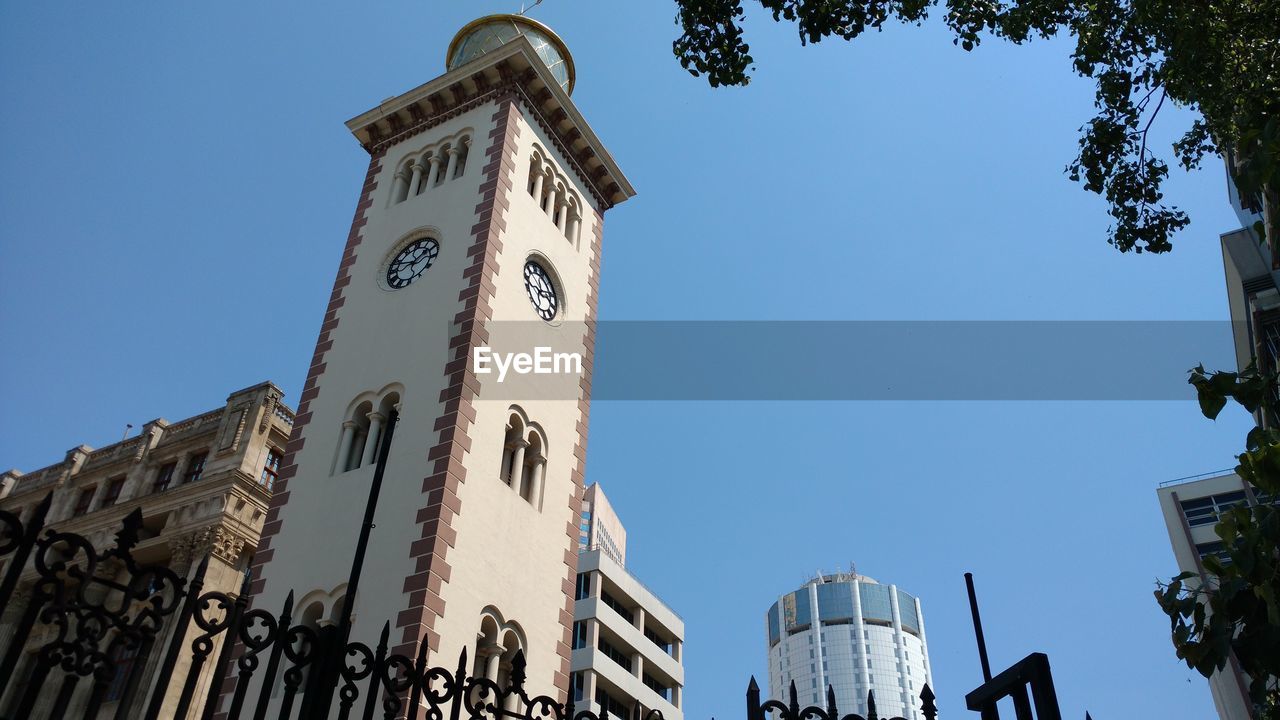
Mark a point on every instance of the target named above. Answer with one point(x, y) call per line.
point(854, 634)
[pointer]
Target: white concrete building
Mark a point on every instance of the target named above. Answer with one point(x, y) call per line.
point(1190, 507)
point(627, 644)
point(601, 527)
point(854, 634)
point(477, 225)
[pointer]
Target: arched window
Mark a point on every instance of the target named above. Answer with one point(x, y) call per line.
point(524, 458)
point(355, 430)
point(403, 179)
point(363, 431)
point(421, 173)
point(497, 644)
point(445, 165)
point(574, 224)
point(555, 196)
point(536, 178)
point(463, 150)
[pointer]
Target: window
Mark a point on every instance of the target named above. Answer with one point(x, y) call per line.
point(579, 635)
point(195, 468)
point(164, 477)
point(1205, 511)
point(113, 491)
point(524, 460)
point(1216, 549)
point(617, 607)
point(83, 501)
point(611, 705)
point(122, 657)
point(614, 654)
point(576, 682)
point(584, 586)
point(270, 469)
point(656, 686)
point(657, 640)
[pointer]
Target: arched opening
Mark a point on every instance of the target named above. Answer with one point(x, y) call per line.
point(403, 178)
point(464, 149)
point(531, 475)
point(513, 448)
point(355, 433)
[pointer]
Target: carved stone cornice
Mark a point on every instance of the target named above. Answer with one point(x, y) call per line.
point(219, 541)
point(227, 545)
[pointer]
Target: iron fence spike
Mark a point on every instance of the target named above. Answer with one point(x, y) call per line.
point(926, 706)
point(752, 687)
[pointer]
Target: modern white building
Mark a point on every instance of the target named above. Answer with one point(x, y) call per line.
point(854, 634)
point(601, 528)
point(627, 644)
point(1191, 507)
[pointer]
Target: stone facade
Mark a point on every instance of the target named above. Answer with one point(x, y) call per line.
point(203, 486)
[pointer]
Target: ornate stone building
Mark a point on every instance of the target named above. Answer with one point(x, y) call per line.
point(202, 484)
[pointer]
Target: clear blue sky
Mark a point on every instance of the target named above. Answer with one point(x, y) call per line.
point(176, 184)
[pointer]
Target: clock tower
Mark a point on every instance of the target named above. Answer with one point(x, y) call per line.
point(478, 228)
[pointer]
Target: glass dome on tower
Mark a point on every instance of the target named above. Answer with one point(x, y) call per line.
point(493, 31)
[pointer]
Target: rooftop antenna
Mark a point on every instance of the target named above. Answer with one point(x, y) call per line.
point(524, 9)
point(127, 428)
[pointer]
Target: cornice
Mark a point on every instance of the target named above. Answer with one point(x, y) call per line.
point(515, 67)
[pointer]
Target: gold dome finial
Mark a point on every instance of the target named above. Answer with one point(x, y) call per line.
point(491, 32)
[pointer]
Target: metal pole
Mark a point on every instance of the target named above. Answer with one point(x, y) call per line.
point(977, 628)
point(334, 658)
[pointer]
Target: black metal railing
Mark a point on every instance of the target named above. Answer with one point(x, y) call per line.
point(792, 710)
point(222, 660)
point(192, 653)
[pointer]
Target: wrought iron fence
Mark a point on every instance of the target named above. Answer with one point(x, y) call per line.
point(87, 610)
point(792, 710)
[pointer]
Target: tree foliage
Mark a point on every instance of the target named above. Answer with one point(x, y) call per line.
point(1234, 610)
point(1220, 58)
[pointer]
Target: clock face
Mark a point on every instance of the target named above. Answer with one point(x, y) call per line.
point(542, 292)
point(409, 264)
